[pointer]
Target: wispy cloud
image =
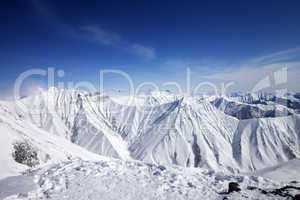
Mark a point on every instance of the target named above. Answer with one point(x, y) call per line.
point(245, 75)
point(280, 56)
point(248, 73)
point(147, 52)
point(101, 36)
point(115, 40)
point(94, 33)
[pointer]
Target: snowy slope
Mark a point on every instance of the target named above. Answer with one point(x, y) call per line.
point(15, 127)
point(266, 141)
point(195, 134)
point(284, 172)
point(117, 179)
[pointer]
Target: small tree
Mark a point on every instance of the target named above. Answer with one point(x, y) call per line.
point(25, 154)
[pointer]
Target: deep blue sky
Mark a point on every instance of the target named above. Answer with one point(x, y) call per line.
point(145, 39)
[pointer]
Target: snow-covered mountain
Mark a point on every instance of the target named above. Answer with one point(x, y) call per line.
point(242, 110)
point(161, 128)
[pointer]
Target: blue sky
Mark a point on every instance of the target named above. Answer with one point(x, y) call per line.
point(150, 40)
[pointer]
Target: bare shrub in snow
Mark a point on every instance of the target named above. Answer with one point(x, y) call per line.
point(25, 154)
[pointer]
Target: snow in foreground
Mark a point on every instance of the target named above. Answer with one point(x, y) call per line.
point(117, 179)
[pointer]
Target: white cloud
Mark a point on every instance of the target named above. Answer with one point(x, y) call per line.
point(280, 56)
point(146, 52)
point(102, 36)
point(29, 87)
point(107, 38)
point(248, 74)
point(93, 33)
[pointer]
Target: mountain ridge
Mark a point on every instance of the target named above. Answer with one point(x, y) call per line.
point(161, 129)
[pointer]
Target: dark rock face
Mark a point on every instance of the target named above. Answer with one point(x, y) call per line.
point(249, 111)
point(296, 197)
point(233, 187)
point(287, 191)
point(191, 185)
point(161, 167)
point(283, 191)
